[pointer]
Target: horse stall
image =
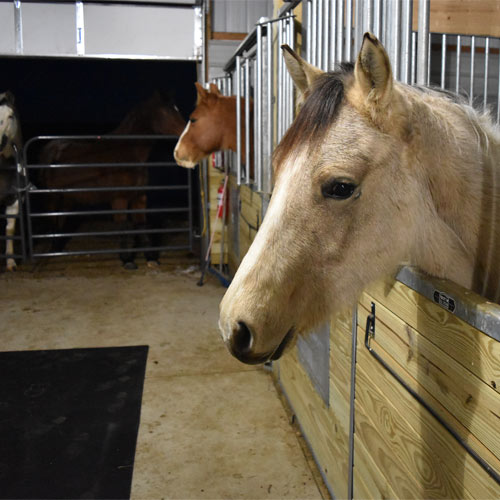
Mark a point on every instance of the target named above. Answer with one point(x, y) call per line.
point(397, 396)
point(97, 87)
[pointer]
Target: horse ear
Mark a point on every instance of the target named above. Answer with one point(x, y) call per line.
point(202, 93)
point(214, 89)
point(372, 72)
point(303, 74)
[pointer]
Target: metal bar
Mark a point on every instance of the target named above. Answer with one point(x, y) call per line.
point(18, 26)
point(333, 37)
point(457, 76)
point(370, 334)
point(314, 34)
point(238, 120)
point(326, 35)
point(340, 31)
point(354, 342)
point(443, 60)
point(423, 41)
point(348, 32)
point(429, 60)
point(21, 187)
point(190, 208)
point(396, 46)
point(309, 32)
point(247, 120)
point(320, 20)
point(109, 212)
point(259, 139)
point(110, 251)
point(407, 17)
point(110, 189)
point(291, 41)
point(486, 71)
point(413, 75)
point(101, 165)
point(472, 68)
point(270, 92)
point(377, 20)
point(80, 29)
point(111, 233)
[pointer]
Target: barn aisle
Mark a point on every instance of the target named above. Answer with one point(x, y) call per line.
point(210, 426)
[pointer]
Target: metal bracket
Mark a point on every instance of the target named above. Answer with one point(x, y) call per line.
point(370, 334)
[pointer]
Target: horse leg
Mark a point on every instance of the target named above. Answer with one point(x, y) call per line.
point(121, 220)
point(140, 222)
point(10, 230)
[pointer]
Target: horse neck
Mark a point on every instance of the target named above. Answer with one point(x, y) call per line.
point(460, 153)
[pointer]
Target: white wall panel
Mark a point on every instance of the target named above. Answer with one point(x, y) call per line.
point(139, 30)
point(7, 31)
point(48, 28)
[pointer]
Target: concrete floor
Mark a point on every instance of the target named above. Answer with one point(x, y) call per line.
point(211, 427)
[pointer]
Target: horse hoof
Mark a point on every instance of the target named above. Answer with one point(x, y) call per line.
point(11, 265)
point(130, 266)
point(153, 264)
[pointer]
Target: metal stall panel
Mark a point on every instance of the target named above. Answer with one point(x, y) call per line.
point(169, 30)
point(140, 30)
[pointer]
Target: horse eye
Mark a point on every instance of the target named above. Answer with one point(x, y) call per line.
point(338, 190)
point(192, 120)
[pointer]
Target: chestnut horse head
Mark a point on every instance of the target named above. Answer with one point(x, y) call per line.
point(372, 174)
point(211, 127)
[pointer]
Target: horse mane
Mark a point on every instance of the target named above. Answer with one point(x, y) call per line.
point(318, 112)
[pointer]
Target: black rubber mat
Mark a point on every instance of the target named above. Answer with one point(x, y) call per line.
point(69, 421)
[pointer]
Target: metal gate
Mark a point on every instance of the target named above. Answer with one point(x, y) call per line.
point(44, 225)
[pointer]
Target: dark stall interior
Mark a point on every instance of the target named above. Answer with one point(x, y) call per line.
point(69, 96)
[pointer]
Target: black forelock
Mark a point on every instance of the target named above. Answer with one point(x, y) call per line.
point(319, 110)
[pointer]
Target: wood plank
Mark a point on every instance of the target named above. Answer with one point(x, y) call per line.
point(434, 403)
point(369, 482)
point(475, 404)
point(478, 17)
point(477, 352)
point(227, 35)
point(439, 441)
point(406, 461)
point(321, 427)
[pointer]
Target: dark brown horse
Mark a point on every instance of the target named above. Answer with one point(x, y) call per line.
point(154, 116)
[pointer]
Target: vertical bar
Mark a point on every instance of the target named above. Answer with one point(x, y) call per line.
point(443, 60)
point(319, 60)
point(367, 15)
point(396, 44)
point(340, 31)
point(413, 76)
point(238, 120)
point(190, 205)
point(457, 76)
point(407, 16)
point(350, 482)
point(269, 105)
point(498, 93)
point(486, 71)
point(279, 85)
point(18, 26)
point(314, 34)
point(309, 32)
point(247, 120)
point(333, 28)
point(423, 41)
point(377, 21)
point(259, 98)
point(20, 188)
point(348, 30)
point(429, 60)
point(472, 67)
point(80, 29)
point(291, 33)
point(326, 35)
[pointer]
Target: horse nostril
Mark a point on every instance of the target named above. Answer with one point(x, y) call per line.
point(241, 341)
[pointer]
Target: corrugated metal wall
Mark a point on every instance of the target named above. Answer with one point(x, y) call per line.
point(239, 16)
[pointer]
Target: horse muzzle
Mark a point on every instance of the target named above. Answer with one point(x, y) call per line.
point(241, 341)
